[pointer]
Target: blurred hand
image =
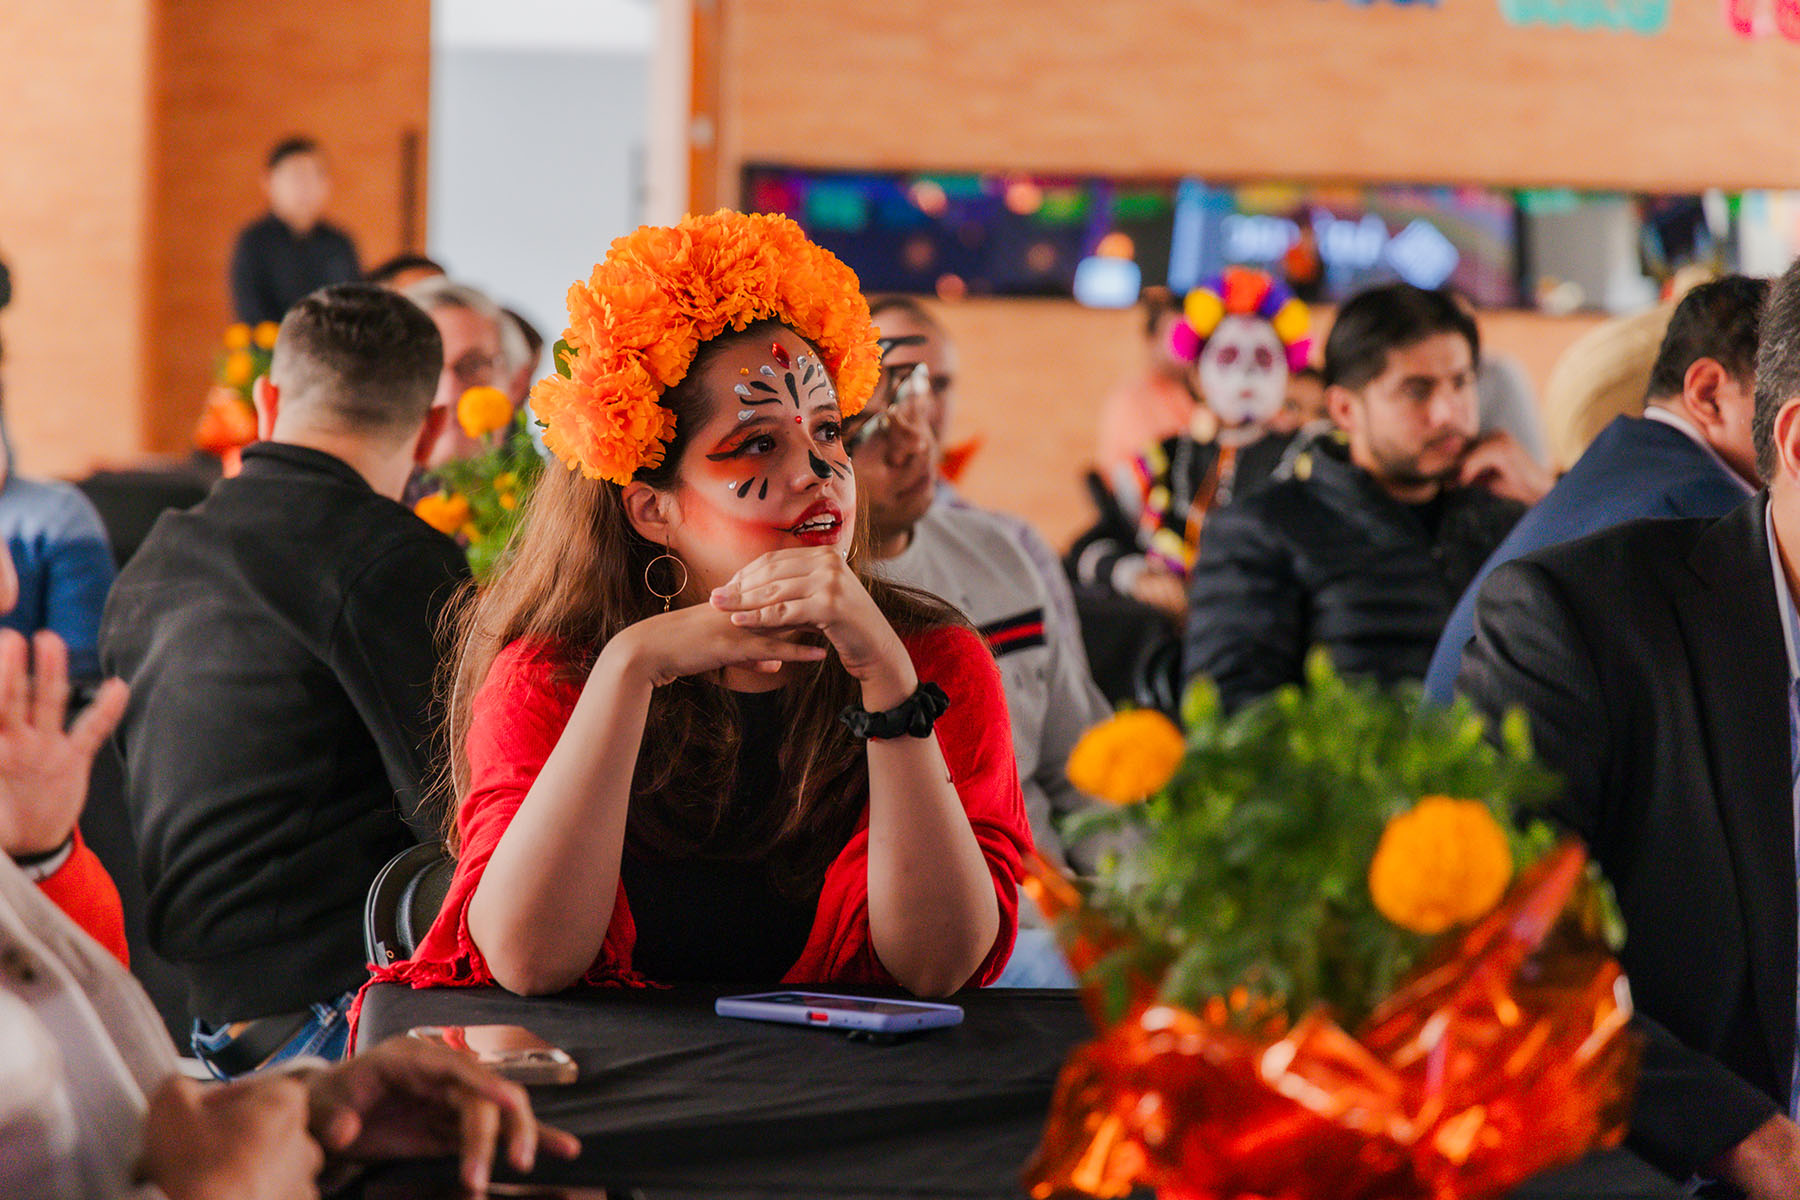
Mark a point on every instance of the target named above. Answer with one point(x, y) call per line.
point(1162, 590)
point(1496, 461)
point(1766, 1165)
point(43, 770)
point(237, 1141)
point(408, 1098)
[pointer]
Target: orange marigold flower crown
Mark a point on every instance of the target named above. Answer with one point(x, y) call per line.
point(637, 322)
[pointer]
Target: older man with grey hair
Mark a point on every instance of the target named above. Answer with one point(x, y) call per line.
point(483, 347)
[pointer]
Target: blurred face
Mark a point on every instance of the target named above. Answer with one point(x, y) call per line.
point(767, 469)
point(937, 352)
point(1410, 426)
point(1301, 405)
point(896, 455)
point(298, 189)
point(471, 359)
point(1243, 371)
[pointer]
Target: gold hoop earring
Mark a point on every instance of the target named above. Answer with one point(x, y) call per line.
point(665, 597)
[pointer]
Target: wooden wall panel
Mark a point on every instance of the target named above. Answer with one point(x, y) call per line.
point(231, 79)
point(72, 208)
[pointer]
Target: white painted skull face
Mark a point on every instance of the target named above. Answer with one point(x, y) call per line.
point(1243, 371)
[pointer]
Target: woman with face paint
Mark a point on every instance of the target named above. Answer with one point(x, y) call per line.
point(1243, 333)
point(693, 740)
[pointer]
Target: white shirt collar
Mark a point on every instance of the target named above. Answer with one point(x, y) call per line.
point(1784, 595)
point(1679, 420)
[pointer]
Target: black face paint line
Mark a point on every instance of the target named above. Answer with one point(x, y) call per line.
point(793, 391)
point(762, 493)
point(745, 490)
point(819, 466)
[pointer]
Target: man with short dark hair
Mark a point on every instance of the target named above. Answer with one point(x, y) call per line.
point(1365, 546)
point(1657, 665)
point(289, 251)
point(279, 640)
point(1689, 455)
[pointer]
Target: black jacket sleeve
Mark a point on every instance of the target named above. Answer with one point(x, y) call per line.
point(1247, 608)
point(386, 650)
point(1529, 652)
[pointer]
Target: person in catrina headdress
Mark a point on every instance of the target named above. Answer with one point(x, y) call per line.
point(694, 738)
point(1243, 332)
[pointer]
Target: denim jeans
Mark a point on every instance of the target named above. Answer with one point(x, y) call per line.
point(325, 1035)
point(1036, 963)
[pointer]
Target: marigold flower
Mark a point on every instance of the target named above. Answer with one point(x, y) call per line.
point(508, 501)
point(483, 410)
point(237, 337)
point(1127, 757)
point(444, 512)
point(266, 333)
point(637, 321)
point(1443, 862)
point(240, 368)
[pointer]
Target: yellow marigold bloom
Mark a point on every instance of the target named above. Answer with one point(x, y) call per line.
point(508, 501)
point(1443, 862)
point(266, 333)
point(470, 534)
point(483, 410)
point(237, 337)
point(505, 481)
point(1128, 757)
point(240, 368)
point(445, 513)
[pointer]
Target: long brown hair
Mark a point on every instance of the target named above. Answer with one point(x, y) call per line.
point(574, 576)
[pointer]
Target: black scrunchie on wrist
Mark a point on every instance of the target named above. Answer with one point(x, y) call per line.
point(914, 715)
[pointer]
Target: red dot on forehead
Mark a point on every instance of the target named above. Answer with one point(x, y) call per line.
point(780, 354)
point(797, 419)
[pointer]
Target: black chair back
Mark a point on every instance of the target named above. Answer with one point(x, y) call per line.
point(404, 900)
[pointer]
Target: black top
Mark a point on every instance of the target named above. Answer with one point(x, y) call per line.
point(719, 915)
point(1325, 557)
point(278, 639)
point(272, 266)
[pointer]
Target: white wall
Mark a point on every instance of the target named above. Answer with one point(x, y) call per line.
point(539, 111)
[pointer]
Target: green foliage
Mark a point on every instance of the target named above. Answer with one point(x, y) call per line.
point(508, 468)
point(1250, 869)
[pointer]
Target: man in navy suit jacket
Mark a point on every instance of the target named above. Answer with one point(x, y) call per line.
point(1689, 455)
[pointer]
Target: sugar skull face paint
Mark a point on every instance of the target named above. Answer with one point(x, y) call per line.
point(768, 468)
point(1243, 371)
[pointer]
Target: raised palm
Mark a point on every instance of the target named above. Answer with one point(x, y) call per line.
point(44, 767)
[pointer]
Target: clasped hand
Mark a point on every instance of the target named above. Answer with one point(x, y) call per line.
point(758, 617)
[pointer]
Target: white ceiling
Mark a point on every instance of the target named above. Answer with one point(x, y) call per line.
point(619, 26)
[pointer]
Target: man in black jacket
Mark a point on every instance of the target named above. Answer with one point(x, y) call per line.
point(279, 639)
point(1656, 662)
point(1366, 546)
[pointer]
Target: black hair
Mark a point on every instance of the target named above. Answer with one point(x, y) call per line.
point(1157, 303)
point(383, 273)
point(287, 147)
point(1777, 367)
point(1390, 317)
point(905, 304)
point(1717, 320)
point(365, 354)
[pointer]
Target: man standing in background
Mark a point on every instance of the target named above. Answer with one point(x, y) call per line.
point(290, 251)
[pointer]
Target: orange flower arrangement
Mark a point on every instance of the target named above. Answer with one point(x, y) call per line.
point(637, 322)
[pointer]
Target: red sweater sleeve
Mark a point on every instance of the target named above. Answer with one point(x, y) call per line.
point(521, 711)
point(975, 736)
point(86, 893)
point(516, 718)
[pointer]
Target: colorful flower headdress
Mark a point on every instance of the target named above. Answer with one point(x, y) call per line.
point(636, 323)
point(1243, 292)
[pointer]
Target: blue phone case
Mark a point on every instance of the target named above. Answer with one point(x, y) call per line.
point(823, 1011)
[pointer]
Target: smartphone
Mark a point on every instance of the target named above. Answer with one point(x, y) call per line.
point(510, 1051)
point(840, 1012)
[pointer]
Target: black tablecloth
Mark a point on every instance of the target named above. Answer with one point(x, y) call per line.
point(675, 1101)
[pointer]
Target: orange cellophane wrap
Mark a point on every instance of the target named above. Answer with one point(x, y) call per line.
point(1506, 1053)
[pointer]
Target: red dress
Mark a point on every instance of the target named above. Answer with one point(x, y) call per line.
point(520, 712)
point(83, 890)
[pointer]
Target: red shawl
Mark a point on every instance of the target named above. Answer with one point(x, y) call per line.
point(519, 714)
